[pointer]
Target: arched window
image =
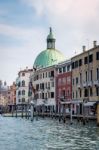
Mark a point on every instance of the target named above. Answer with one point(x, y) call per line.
point(23, 92)
point(23, 83)
point(19, 92)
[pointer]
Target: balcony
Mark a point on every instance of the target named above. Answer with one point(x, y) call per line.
point(90, 83)
point(41, 89)
point(51, 78)
point(62, 98)
point(45, 101)
point(79, 85)
point(48, 88)
point(85, 84)
point(96, 82)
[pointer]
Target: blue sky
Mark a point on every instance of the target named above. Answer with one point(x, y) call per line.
point(24, 26)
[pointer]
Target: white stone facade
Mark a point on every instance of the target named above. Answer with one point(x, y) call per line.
point(22, 88)
point(43, 81)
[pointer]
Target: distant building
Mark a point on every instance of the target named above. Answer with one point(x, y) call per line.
point(3, 88)
point(12, 94)
point(3, 94)
point(22, 86)
point(3, 100)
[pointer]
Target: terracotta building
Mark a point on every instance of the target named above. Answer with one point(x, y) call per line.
point(63, 83)
point(12, 94)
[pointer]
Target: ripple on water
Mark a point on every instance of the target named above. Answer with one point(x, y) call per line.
point(46, 134)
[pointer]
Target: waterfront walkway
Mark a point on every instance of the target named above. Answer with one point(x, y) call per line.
point(53, 115)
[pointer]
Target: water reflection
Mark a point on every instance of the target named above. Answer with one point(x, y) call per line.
point(47, 134)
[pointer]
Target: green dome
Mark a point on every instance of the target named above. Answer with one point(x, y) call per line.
point(48, 57)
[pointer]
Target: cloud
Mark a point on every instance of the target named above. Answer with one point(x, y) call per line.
point(32, 42)
point(70, 8)
point(3, 11)
point(13, 57)
point(73, 20)
point(19, 32)
point(28, 38)
point(74, 23)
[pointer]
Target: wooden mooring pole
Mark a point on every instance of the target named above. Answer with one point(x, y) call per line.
point(98, 114)
point(16, 110)
point(22, 110)
point(12, 110)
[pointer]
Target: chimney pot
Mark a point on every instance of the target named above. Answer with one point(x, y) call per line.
point(26, 68)
point(94, 44)
point(84, 48)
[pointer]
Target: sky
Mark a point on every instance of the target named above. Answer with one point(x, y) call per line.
point(24, 26)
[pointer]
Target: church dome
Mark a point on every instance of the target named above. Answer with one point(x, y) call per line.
point(3, 87)
point(50, 56)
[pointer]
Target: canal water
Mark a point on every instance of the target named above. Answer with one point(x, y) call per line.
point(47, 134)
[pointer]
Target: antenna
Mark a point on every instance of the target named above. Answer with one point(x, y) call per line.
point(75, 52)
point(87, 43)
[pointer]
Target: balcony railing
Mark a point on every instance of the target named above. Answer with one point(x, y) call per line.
point(79, 85)
point(85, 84)
point(48, 88)
point(45, 101)
point(90, 83)
point(51, 78)
point(96, 82)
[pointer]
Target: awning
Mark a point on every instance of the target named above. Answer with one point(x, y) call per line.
point(65, 102)
point(89, 104)
point(71, 102)
point(76, 101)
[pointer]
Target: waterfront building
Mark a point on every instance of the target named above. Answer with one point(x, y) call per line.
point(3, 88)
point(44, 76)
point(11, 95)
point(3, 101)
point(63, 84)
point(44, 85)
point(85, 77)
point(3, 95)
point(22, 86)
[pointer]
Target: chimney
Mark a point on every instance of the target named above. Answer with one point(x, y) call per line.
point(5, 83)
point(26, 68)
point(84, 48)
point(94, 44)
point(0, 82)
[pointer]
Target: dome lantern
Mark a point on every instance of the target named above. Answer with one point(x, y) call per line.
point(50, 40)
